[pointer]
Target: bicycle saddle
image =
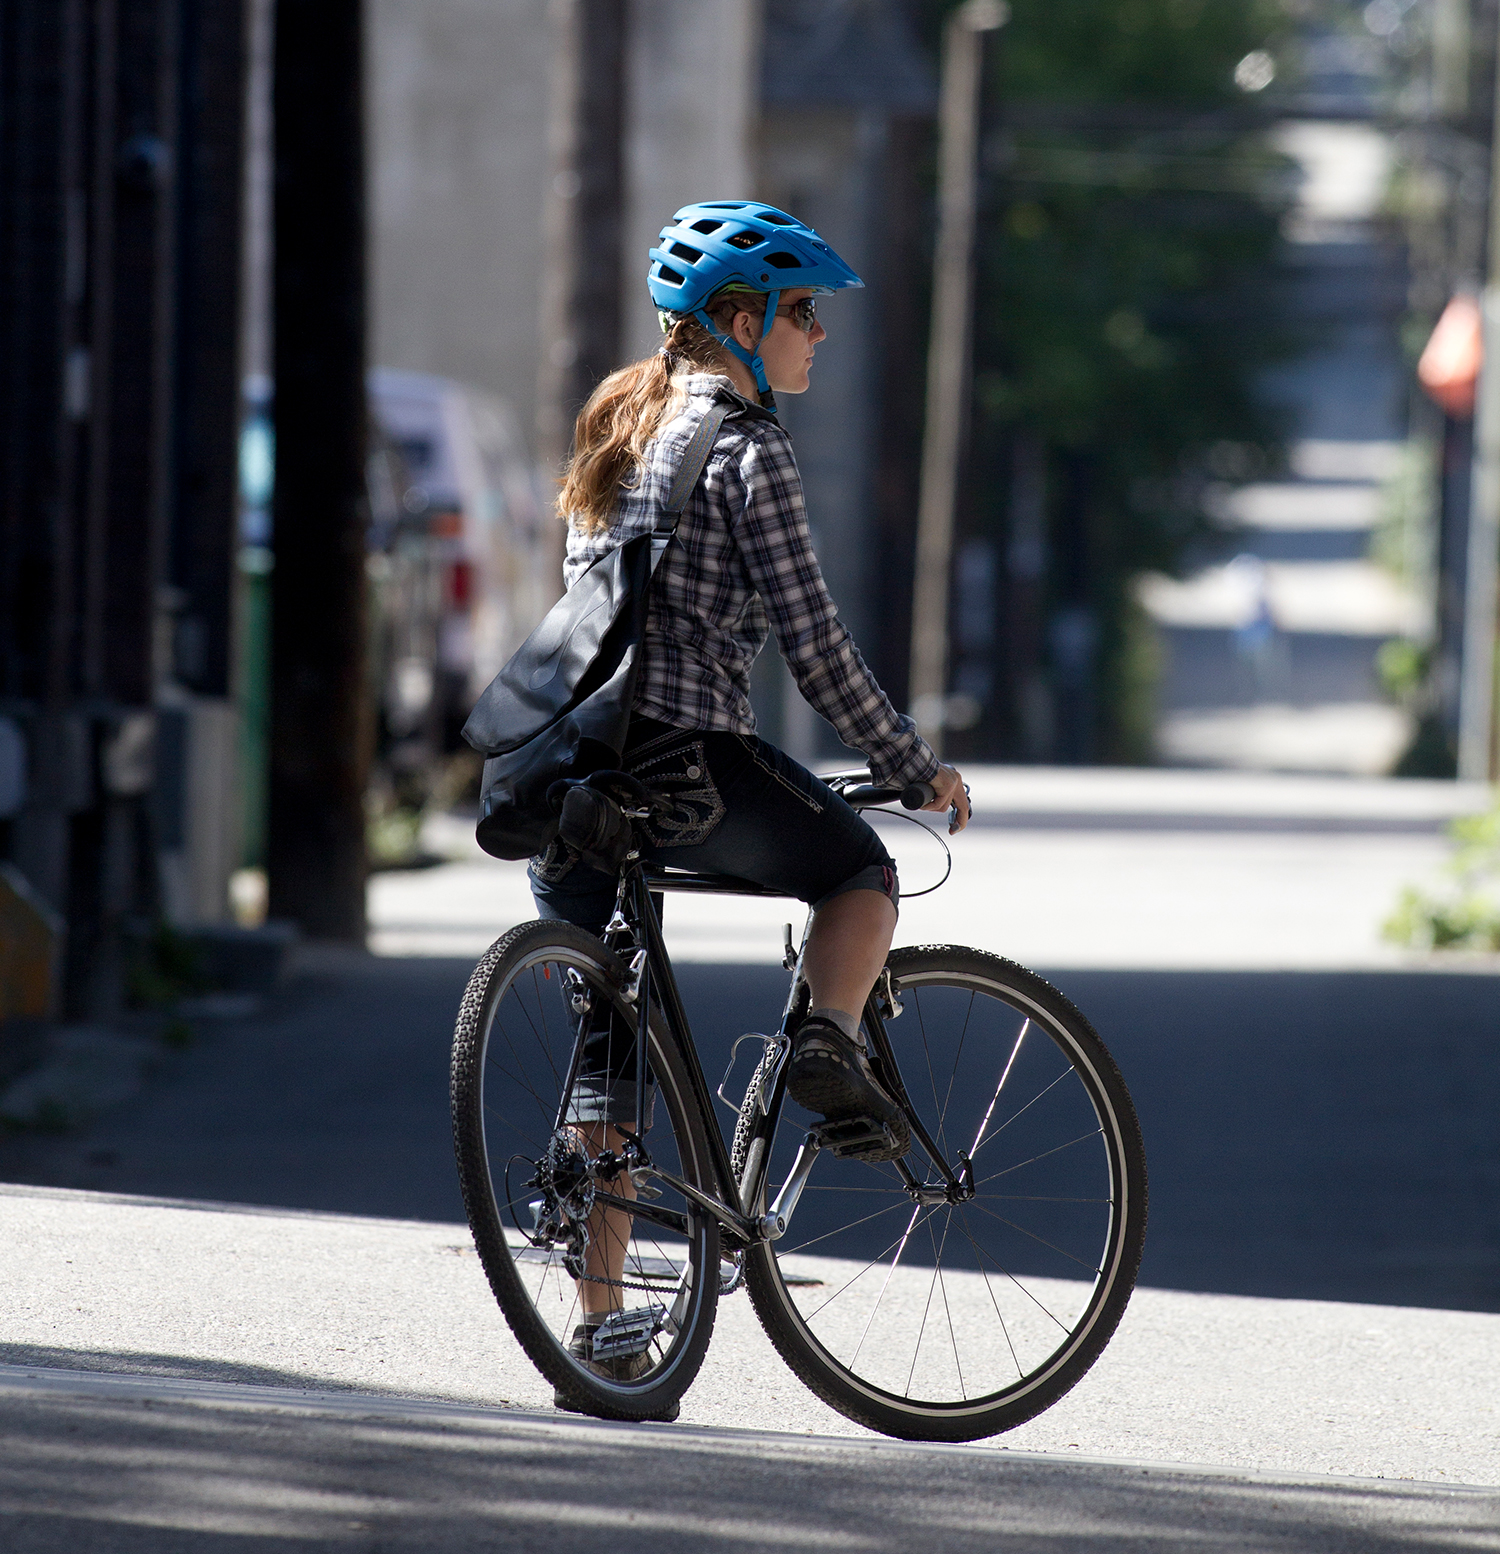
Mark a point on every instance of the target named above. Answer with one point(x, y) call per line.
point(591, 817)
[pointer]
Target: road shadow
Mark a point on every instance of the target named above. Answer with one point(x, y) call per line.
point(125, 1473)
point(138, 1363)
point(1326, 1135)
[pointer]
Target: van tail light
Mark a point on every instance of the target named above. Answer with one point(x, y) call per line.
point(460, 585)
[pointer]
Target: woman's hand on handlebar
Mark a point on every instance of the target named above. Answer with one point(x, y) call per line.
point(950, 793)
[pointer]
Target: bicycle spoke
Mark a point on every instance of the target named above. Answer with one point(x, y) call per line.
point(1010, 1063)
point(884, 1287)
point(931, 1077)
point(1021, 1229)
point(1000, 1268)
point(1026, 1108)
point(546, 1043)
point(858, 1276)
point(896, 1186)
point(926, 1309)
point(942, 1289)
point(842, 1229)
point(521, 1079)
point(963, 1036)
point(1046, 1154)
point(999, 1317)
point(1021, 1197)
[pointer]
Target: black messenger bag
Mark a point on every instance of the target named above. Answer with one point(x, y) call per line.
point(561, 706)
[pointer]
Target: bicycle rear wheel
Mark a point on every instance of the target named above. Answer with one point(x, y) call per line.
point(530, 1126)
point(951, 1318)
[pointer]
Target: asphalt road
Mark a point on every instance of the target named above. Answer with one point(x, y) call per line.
point(114, 1465)
point(183, 1290)
point(1324, 1135)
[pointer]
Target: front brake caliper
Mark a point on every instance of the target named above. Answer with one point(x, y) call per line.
point(580, 997)
point(887, 996)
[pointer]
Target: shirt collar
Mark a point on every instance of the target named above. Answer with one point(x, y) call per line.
point(714, 385)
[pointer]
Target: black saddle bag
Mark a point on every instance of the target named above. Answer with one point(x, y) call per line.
point(561, 707)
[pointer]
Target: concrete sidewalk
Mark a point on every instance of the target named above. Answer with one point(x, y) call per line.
point(296, 1301)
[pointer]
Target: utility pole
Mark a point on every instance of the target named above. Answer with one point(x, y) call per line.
point(320, 720)
point(1476, 701)
point(948, 354)
point(580, 312)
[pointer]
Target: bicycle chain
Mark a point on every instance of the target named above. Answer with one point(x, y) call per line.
point(619, 1284)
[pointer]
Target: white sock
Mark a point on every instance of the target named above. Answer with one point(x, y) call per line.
point(839, 1017)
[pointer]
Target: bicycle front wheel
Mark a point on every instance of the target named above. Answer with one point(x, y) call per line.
point(609, 1279)
point(949, 1316)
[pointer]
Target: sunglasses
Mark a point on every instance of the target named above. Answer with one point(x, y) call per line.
point(803, 314)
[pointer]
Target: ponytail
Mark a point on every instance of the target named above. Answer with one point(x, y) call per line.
point(621, 417)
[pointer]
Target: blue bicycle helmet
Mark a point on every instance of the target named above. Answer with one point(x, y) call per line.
point(744, 245)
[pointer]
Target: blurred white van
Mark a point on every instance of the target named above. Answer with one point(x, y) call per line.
point(457, 555)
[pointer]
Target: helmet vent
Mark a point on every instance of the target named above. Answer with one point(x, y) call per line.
point(745, 240)
point(706, 226)
point(724, 205)
point(775, 219)
point(671, 277)
point(682, 251)
point(784, 260)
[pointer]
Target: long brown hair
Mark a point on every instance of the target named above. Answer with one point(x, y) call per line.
point(627, 410)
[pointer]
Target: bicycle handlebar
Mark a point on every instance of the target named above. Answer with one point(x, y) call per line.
point(915, 796)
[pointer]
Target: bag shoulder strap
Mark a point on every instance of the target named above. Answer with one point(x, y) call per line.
point(690, 470)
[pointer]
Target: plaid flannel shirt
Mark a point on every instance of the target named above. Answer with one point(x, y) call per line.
point(742, 554)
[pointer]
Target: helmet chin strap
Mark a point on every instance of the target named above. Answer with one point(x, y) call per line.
point(751, 360)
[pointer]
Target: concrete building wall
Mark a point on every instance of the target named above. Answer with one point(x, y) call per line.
point(458, 118)
point(815, 163)
point(458, 168)
point(819, 165)
point(691, 104)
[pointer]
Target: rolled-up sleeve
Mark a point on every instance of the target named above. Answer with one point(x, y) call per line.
point(769, 524)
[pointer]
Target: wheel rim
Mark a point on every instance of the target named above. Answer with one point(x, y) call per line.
point(951, 1308)
point(546, 1220)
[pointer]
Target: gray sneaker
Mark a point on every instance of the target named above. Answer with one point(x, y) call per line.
point(615, 1367)
point(620, 1367)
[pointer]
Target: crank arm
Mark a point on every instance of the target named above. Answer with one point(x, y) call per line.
point(776, 1223)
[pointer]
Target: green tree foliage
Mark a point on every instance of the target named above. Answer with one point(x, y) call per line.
point(1129, 214)
point(1465, 915)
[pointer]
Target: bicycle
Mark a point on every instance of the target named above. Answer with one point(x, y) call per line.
point(945, 1295)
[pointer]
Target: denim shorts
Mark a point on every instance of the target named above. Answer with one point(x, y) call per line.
point(739, 806)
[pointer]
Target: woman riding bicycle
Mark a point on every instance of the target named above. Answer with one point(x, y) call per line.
point(734, 283)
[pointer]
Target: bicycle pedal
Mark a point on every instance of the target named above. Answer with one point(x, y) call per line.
point(625, 1334)
point(853, 1138)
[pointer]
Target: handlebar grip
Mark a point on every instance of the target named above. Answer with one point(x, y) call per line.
point(866, 796)
point(918, 795)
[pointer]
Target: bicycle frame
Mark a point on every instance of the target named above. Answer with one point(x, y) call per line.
point(637, 928)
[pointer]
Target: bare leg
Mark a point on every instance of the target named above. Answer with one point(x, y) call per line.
point(846, 949)
point(608, 1231)
point(850, 938)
